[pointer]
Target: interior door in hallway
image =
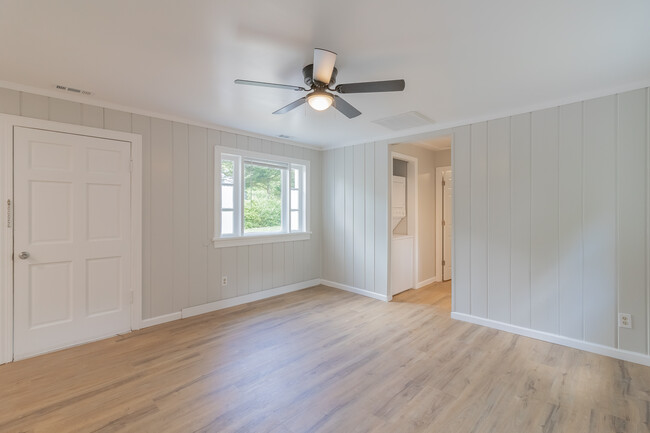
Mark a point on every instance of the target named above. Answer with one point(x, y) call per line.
point(71, 239)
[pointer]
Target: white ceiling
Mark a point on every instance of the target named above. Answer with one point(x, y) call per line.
point(435, 144)
point(461, 59)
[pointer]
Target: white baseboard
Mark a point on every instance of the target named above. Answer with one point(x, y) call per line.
point(239, 300)
point(160, 319)
point(354, 290)
point(426, 282)
point(612, 352)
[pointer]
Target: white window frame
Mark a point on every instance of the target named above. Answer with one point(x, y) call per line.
point(239, 237)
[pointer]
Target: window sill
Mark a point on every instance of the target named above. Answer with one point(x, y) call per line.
point(260, 239)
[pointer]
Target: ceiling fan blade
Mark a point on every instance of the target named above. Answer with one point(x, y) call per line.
point(323, 65)
point(263, 84)
point(372, 86)
point(295, 104)
point(348, 110)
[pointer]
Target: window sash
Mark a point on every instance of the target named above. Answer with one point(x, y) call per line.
point(236, 196)
point(282, 197)
point(300, 193)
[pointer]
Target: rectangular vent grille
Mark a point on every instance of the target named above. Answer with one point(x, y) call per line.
point(73, 90)
point(409, 120)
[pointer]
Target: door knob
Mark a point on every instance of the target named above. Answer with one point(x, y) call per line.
point(24, 255)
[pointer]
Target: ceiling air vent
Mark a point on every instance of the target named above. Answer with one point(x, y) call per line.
point(409, 120)
point(73, 90)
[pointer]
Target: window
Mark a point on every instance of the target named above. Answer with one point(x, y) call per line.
point(260, 198)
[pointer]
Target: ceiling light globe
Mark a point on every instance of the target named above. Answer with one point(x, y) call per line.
point(320, 101)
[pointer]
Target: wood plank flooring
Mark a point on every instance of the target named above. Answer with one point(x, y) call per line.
point(323, 360)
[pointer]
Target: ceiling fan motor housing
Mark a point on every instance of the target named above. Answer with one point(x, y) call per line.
point(308, 74)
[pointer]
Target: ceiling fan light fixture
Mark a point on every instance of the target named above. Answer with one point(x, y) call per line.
point(320, 101)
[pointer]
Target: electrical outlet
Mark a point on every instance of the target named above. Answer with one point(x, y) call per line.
point(624, 320)
point(224, 281)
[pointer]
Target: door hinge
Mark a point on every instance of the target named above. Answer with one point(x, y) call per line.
point(443, 183)
point(8, 213)
point(131, 166)
point(443, 223)
point(443, 263)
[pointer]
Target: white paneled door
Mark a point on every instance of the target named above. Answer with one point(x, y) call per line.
point(71, 239)
point(447, 228)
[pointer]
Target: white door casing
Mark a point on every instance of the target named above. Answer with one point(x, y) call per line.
point(72, 215)
point(444, 212)
point(447, 227)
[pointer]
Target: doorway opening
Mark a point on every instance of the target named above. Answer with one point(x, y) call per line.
point(430, 241)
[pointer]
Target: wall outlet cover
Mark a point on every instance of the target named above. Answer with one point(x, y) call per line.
point(624, 320)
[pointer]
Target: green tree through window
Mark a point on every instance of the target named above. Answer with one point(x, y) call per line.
point(262, 199)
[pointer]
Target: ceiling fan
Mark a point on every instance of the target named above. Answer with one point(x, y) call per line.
point(320, 76)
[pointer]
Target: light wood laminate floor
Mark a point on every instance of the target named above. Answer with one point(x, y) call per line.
point(323, 360)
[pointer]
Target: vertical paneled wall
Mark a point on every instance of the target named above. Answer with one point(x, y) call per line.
point(180, 266)
point(355, 212)
point(552, 220)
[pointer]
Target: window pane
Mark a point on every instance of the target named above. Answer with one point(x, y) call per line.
point(295, 178)
point(262, 199)
point(227, 225)
point(295, 220)
point(227, 171)
point(227, 194)
point(295, 199)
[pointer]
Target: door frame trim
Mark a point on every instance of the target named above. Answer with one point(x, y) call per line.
point(7, 124)
point(439, 270)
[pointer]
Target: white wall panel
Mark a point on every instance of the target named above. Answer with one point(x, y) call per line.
point(278, 264)
point(242, 142)
point(381, 219)
point(9, 101)
point(369, 217)
point(520, 165)
point(298, 261)
point(478, 220)
point(358, 231)
point(599, 222)
point(65, 111)
point(242, 271)
point(313, 249)
point(544, 221)
point(632, 172)
point(267, 266)
point(198, 216)
point(117, 120)
point(229, 271)
point(214, 254)
point(162, 254)
point(462, 176)
point(36, 106)
point(338, 268)
point(570, 221)
point(142, 125)
point(288, 263)
point(498, 157)
point(255, 264)
point(94, 116)
point(348, 204)
point(181, 259)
